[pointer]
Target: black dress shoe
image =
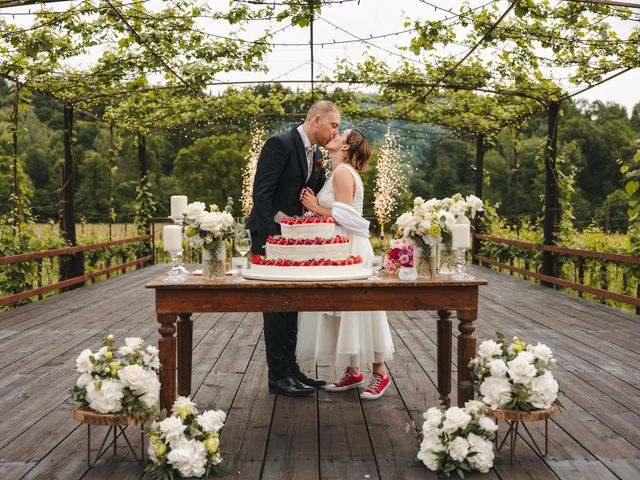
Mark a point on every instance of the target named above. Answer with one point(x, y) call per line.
point(290, 386)
point(310, 382)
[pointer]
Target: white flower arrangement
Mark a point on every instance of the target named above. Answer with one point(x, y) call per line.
point(434, 218)
point(515, 376)
point(203, 227)
point(457, 440)
point(185, 444)
point(123, 380)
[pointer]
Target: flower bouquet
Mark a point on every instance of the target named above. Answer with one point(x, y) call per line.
point(123, 380)
point(210, 230)
point(400, 255)
point(185, 444)
point(457, 440)
point(515, 376)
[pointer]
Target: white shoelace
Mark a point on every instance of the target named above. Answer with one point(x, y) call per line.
point(374, 383)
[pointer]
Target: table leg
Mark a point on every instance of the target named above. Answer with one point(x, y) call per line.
point(466, 351)
point(185, 346)
point(444, 356)
point(167, 347)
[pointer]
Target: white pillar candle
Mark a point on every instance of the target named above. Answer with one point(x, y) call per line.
point(461, 236)
point(172, 237)
point(178, 205)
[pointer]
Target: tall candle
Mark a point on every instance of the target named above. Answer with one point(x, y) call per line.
point(461, 236)
point(178, 205)
point(172, 237)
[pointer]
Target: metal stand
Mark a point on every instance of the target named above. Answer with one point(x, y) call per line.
point(512, 434)
point(113, 430)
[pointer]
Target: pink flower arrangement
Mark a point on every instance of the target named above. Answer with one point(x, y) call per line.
point(400, 255)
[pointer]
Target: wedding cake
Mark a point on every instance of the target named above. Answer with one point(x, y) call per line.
point(308, 247)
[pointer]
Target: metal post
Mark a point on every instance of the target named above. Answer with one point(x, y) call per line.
point(313, 97)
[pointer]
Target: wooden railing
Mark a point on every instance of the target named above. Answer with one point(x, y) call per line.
point(38, 256)
point(611, 257)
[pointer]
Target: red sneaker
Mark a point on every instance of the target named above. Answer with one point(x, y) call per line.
point(347, 382)
point(377, 386)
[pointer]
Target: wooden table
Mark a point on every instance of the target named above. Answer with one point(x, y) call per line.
point(175, 302)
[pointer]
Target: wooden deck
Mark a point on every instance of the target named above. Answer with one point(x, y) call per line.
point(331, 436)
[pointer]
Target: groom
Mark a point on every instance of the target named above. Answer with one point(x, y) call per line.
point(287, 164)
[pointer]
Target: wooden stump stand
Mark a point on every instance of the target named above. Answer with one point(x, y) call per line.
point(116, 422)
point(514, 418)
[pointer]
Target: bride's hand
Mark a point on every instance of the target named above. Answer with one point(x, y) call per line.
point(309, 200)
point(305, 190)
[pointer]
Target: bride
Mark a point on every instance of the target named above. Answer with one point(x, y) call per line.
point(348, 339)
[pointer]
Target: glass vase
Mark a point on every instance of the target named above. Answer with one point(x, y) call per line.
point(447, 259)
point(425, 254)
point(214, 259)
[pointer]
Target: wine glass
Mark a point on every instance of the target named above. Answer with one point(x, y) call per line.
point(375, 264)
point(243, 241)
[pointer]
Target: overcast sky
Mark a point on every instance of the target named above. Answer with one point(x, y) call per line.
point(365, 19)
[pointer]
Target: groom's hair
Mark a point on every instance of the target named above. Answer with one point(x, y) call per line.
point(321, 108)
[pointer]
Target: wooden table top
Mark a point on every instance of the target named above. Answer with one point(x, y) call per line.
point(198, 282)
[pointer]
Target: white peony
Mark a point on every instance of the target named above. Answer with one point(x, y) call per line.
point(433, 418)
point(474, 406)
point(134, 377)
point(498, 367)
point(496, 392)
point(542, 352)
point(195, 209)
point(83, 380)
point(544, 391)
point(487, 424)
point(455, 418)
point(105, 396)
point(83, 363)
point(151, 388)
point(432, 442)
point(173, 429)
point(212, 421)
point(489, 348)
point(189, 457)
point(459, 449)
point(483, 449)
point(521, 368)
point(429, 459)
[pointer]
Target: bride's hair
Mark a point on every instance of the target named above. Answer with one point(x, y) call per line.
point(359, 150)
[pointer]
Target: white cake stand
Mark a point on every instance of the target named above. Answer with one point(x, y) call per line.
point(353, 275)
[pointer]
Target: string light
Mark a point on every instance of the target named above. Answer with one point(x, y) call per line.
point(249, 171)
point(390, 180)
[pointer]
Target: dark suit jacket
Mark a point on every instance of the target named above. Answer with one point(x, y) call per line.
point(281, 175)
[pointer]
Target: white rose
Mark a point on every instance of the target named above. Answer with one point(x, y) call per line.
point(542, 352)
point(173, 429)
point(432, 203)
point(133, 342)
point(418, 202)
point(544, 390)
point(151, 452)
point(433, 418)
point(99, 355)
point(487, 424)
point(83, 380)
point(521, 368)
point(489, 348)
point(483, 458)
point(459, 449)
point(474, 406)
point(432, 442)
point(455, 418)
point(212, 421)
point(83, 364)
point(498, 367)
point(210, 222)
point(134, 377)
point(151, 360)
point(107, 398)
point(496, 392)
point(449, 220)
point(195, 209)
point(189, 457)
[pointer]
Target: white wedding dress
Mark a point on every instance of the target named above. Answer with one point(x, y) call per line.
point(355, 339)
